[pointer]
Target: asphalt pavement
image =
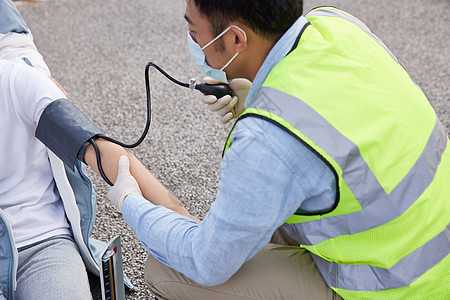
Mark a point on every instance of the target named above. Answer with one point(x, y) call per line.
point(98, 50)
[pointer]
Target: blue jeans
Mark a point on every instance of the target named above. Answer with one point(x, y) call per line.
point(52, 269)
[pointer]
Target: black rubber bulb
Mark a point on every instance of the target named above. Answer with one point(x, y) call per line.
point(218, 90)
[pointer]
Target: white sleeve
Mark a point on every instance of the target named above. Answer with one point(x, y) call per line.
point(22, 46)
point(32, 91)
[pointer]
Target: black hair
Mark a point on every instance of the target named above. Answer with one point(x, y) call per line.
point(269, 18)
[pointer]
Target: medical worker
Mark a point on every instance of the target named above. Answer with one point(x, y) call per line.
point(335, 178)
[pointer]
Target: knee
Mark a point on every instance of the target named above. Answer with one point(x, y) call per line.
point(152, 275)
point(149, 270)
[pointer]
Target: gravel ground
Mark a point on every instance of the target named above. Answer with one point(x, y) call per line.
point(98, 50)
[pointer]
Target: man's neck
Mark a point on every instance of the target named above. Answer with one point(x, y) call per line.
point(256, 56)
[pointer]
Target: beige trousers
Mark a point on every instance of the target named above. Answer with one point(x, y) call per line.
point(279, 271)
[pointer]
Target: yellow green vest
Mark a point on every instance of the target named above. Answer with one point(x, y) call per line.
point(344, 95)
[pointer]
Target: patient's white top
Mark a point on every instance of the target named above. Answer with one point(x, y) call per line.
point(28, 194)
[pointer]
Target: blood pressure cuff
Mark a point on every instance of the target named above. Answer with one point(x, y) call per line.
point(65, 130)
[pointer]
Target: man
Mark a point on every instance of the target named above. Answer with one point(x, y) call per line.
point(47, 208)
point(337, 147)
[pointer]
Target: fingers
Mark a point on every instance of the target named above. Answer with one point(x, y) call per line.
point(240, 84)
point(124, 166)
point(220, 104)
point(228, 108)
point(215, 104)
point(227, 113)
point(224, 106)
point(210, 80)
point(226, 118)
point(209, 99)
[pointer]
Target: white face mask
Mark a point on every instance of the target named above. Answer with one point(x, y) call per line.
point(200, 59)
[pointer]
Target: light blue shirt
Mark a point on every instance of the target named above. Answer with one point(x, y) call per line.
point(266, 175)
point(10, 18)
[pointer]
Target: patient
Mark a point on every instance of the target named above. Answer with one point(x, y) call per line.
point(47, 207)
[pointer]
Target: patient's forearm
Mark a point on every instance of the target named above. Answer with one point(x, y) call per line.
point(151, 188)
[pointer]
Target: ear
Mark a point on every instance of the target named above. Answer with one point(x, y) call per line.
point(240, 39)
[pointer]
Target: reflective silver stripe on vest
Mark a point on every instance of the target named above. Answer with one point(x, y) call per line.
point(403, 273)
point(356, 173)
point(327, 12)
point(361, 180)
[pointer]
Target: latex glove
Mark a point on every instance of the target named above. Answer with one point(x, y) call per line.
point(228, 107)
point(125, 184)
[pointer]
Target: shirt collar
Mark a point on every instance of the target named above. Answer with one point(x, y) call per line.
point(278, 52)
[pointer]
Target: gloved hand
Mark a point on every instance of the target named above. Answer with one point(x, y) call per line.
point(228, 107)
point(125, 184)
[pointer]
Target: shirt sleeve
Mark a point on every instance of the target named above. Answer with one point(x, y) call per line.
point(21, 46)
point(31, 92)
point(262, 184)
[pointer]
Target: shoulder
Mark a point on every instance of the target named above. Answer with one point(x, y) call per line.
point(271, 134)
point(29, 90)
point(7, 68)
point(254, 136)
point(9, 72)
point(17, 71)
point(29, 81)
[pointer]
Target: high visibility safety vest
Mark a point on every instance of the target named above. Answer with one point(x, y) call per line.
point(343, 94)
